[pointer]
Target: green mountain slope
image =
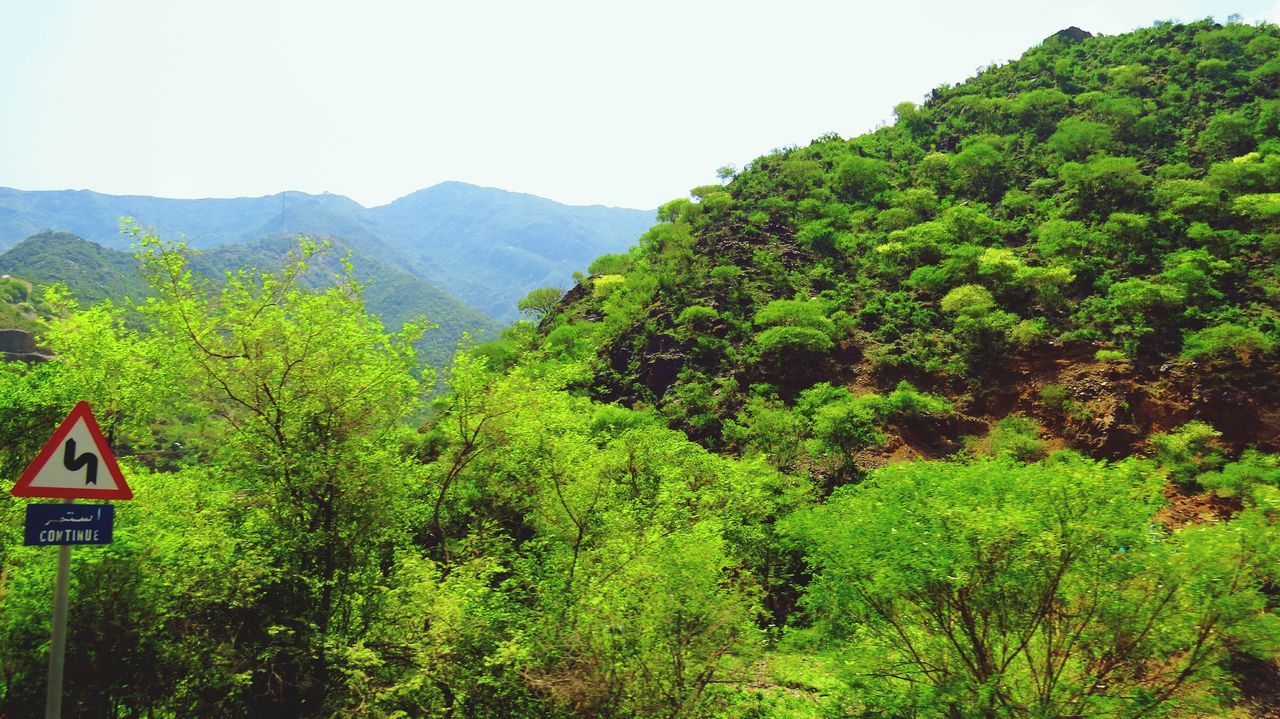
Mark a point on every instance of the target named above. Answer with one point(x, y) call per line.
point(488, 247)
point(1098, 218)
point(94, 273)
point(1058, 284)
point(392, 294)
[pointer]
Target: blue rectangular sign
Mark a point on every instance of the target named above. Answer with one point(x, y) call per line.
point(68, 524)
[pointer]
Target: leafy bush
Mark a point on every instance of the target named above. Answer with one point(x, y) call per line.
point(926, 566)
point(697, 316)
point(968, 300)
point(1029, 332)
point(1054, 396)
point(1111, 356)
point(794, 326)
point(1077, 139)
point(604, 285)
point(1239, 478)
point(1016, 437)
point(906, 402)
point(848, 425)
point(617, 264)
point(1105, 184)
point(1188, 451)
point(860, 178)
point(12, 290)
point(1227, 341)
point(787, 340)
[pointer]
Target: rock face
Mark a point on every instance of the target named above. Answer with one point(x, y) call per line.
point(1069, 36)
point(20, 346)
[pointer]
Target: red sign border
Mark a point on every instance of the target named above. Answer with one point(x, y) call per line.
point(23, 488)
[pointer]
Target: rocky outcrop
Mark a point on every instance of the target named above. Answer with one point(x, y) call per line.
point(20, 346)
point(1069, 36)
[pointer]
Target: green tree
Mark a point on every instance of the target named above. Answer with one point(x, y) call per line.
point(860, 178)
point(1227, 135)
point(540, 302)
point(794, 326)
point(994, 589)
point(978, 170)
point(1077, 139)
point(306, 388)
point(1105, 184)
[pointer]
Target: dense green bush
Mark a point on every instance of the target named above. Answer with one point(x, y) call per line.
point(1227, 341)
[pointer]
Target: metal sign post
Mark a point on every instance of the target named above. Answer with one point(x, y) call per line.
point(58, 642)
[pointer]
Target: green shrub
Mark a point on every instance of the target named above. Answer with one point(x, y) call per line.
point(1238, 479)
point(1263, 207)
point(794, 326)
point(782, 341)
point(1029, 332)
point(1055, 396)
point(906, 402)
point(1188, 451)
point(567, 341)
point(697, 316)
point(860, 178)
point(1014, 436)
point(618, 264)
point(1111, 356)
point(726, 273)
point(848, 425)
point(1227, 341)
point(926, 565)
point(13, 291)
point(611, 420)
point(1077, 139)
point(970, 300)
point(604, 285)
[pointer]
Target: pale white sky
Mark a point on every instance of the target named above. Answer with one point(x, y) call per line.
point(584, 102)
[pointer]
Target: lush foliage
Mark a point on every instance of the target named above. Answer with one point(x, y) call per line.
point(1111, 192)
point(995, 589)
point(798, 454)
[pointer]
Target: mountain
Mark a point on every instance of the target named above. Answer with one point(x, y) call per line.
point(96, 217)
point(1095, 222)
point(487, 247)
point(94, 273)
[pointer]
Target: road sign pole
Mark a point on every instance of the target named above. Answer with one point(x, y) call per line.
point(58, 642)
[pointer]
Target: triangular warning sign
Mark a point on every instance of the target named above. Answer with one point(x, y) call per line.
point(76, 463)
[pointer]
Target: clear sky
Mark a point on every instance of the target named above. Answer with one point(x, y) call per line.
point(585, 102)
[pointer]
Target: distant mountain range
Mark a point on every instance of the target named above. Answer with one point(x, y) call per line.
point(487, 247)
point(93, 273)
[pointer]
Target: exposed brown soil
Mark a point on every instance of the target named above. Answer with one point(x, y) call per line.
point(1186, 508)
point(1111, 409)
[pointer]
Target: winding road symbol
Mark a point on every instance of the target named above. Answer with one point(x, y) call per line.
point(74, 463)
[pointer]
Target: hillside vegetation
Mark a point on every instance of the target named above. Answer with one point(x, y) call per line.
point(971, 416)
point(92, 273)
point(485, 246)
point(1111, 201)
